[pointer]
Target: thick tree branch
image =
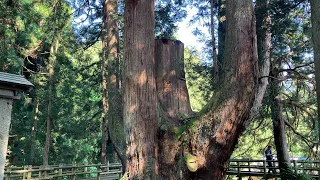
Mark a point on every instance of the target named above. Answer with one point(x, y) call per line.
point(295, 68)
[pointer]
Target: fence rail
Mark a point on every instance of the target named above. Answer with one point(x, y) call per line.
point(260, 168)
point(107, 171)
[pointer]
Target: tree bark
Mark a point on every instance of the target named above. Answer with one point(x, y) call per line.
point(34, 132)
point(104, 85)
point(279, 132)
point(115, 120)
point(5, 120)
point(139, 90)
point(170, 77)
point(315, 21)
point(263, 27)
point(174, 105)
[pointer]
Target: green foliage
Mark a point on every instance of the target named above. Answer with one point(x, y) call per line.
point(167, 14)
point(198, 80)
point(202, 26)
point(76, 99)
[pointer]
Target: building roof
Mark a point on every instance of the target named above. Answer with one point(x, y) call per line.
point(14, 82)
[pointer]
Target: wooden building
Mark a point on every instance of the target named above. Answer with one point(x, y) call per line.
point(11, 86)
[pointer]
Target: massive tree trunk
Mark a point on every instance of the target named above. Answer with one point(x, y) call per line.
point(115, 120)
point(315, 20)
point(104, 85)
point(51, 66)
point(139, 90)
point(206, 141)
point(218, 130)
point(5, 120)
point(34, 132)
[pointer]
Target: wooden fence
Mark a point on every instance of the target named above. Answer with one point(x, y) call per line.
point(107, 171)
point(259, 168)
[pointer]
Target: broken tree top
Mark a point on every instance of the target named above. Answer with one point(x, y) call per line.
point(14, 82)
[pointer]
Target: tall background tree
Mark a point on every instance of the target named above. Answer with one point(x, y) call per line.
point(315, 14)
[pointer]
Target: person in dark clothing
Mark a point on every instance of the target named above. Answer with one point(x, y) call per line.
point(269, 158)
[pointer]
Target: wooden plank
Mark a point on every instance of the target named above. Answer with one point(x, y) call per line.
point(111, 172)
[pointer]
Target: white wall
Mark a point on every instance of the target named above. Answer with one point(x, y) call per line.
point(5, 119)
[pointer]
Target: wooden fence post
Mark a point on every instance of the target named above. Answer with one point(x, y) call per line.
point(40, 174)
point(29, 176)
point(317, 167)
point(24, 176)
point(8, 176)
point(238, 169)
point(265, 169)
point(85, 170)
point(98, 171)
point(120, 174)
point(295, 166)
point(45, 171)
point(73, 176)
point(60, 172)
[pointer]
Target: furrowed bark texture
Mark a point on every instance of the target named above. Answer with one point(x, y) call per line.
point(217, 131)
point(315, 20)
point(170, 77)
point(139, 90)
point(115, 120)
point(174, 106)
